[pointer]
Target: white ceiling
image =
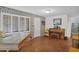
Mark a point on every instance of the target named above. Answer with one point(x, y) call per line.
point(37, 10)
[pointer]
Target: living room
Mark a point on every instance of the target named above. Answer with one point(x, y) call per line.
point(40, 21)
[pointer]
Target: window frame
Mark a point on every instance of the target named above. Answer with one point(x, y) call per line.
point(12, 22)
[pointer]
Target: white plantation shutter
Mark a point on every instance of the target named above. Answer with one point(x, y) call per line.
point(22, 24)
point(15, 24)
point(27, 24)
point(7, 23)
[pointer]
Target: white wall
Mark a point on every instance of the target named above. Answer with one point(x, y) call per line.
point(37, 26)
point(65, 23)
point(0, 22)
point(75, 19)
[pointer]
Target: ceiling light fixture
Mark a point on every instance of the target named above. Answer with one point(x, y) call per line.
point(48, 11)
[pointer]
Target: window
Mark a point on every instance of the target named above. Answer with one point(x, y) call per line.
point(15, 24)
point(6, 23)
point(22, 24)
point(27, 24)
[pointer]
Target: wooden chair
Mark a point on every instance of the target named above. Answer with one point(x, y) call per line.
point(56, 33)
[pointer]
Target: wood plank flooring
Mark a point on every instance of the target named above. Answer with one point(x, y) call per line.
point(46, 44)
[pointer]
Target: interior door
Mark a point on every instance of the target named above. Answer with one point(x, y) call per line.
point(37, 27)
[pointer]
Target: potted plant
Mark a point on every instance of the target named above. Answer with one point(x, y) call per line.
point(78, 29)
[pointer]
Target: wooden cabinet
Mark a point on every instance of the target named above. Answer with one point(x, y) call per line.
point(75, 36)
point(75, 40)
point(58, 32)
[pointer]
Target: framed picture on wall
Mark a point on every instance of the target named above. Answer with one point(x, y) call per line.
point(57, 21)
point(43, 22)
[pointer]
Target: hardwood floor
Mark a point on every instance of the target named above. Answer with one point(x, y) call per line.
point(46, 44)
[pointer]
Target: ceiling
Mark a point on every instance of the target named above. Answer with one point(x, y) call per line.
point(58, 10)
